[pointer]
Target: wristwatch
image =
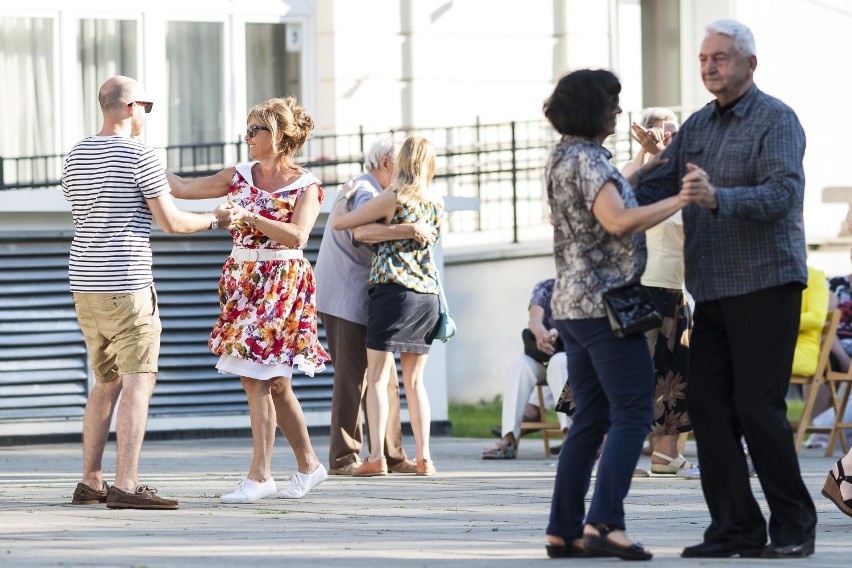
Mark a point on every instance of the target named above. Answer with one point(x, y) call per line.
point(214, 223)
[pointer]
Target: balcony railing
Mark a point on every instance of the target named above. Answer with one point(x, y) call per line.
point(501, 165)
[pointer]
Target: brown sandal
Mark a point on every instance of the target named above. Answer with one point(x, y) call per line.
point(831, 490)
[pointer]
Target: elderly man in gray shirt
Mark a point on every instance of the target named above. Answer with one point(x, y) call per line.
point(739, 159)
point(342, 274)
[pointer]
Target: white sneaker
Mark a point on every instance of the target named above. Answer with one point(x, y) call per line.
point(249, 491)
point(302, 483)
point(690, 473)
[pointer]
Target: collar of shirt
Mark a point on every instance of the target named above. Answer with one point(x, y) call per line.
point(570, 139)
point(738, 107)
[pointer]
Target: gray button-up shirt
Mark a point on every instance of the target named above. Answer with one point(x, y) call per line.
point(756, 238)
point(343, 265)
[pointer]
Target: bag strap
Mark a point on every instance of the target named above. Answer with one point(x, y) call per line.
point(442, 298)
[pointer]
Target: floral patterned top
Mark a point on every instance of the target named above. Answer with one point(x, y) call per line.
point(406, 262)
point(589, 260)
point(542, 295)
point(268, 308)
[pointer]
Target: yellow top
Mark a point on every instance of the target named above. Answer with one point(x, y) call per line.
point(814, 311)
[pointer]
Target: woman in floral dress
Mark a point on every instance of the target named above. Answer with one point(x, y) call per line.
point(268, 323)
point(403, 310)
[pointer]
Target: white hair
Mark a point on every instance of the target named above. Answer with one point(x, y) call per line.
point(740, 33)
point(654, 115)
point(384, 146)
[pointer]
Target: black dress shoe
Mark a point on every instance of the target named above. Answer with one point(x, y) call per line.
point(723, 550)
point(789, 550)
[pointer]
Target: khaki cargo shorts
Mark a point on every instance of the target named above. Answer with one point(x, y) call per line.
point(122, 331)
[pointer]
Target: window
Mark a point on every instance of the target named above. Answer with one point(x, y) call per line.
point(273, 62)
point(194, 61)
point(27, 91)
point(105, 48)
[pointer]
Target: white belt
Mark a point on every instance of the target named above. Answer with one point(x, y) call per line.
point(241, 254)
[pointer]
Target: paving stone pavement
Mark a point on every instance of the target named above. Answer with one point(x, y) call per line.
point(474, 513)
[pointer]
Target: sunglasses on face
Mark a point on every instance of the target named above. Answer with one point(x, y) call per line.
point(148, 106)
point(252, 130)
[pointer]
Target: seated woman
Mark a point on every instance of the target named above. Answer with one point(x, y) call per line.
point(526, 372)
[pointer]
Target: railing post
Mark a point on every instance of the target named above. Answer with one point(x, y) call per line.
point(360, 139)
point(478, 172)
point(2, 171)
point(514, 186)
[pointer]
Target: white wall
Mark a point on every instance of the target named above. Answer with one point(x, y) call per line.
point(489, 293)
point(390, 63)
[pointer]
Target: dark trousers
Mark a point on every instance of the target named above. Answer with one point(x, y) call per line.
point(346, 345)
point(612, 381)
point(741, 356)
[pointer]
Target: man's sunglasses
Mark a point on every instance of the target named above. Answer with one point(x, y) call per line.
point(252, 130)
point(148, 106)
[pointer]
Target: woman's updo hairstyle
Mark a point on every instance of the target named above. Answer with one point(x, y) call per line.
point(582, 102)
point(289, 124)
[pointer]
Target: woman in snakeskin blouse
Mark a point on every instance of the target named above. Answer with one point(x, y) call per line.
point(598, 244)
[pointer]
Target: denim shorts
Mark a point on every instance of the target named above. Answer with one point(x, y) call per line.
point(122, 331)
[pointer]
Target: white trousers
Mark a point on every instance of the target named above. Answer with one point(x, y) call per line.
point(524, 374)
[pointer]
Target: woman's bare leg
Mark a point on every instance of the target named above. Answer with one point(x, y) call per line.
point(419, 410)
point(378, 367)
point(291, 420)
point(262, 415)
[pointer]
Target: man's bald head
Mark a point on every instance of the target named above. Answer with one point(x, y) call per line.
point(116, 92)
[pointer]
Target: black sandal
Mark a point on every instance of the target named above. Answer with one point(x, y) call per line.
point(567, 550)
point(831, 490)
point(600, 545)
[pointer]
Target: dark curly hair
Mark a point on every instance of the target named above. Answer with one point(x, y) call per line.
point(582, 102)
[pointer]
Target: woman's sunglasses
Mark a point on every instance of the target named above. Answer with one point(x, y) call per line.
point(252, 130)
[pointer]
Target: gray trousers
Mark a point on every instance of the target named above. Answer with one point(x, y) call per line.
point(346, 344)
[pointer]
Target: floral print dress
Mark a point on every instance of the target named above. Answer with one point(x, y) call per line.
point(268, 321)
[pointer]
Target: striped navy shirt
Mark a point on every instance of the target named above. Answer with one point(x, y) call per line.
point(756, 239)
point(107, 180)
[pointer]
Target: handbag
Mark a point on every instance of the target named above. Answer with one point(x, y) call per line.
point(532, 351)
point(631, 309)
point(446, 327)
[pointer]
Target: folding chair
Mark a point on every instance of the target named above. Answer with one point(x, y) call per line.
point(829, 332)
point(548, 429)
point(840, 385)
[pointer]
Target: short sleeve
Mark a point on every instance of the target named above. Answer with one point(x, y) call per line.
point(542, 294)
point(150, 175)
point(595, 171)
point(362, 196)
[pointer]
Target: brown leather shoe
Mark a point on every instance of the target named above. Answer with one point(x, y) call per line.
point(145, 497)
point(344, 469)
point(372, 469)
point(405, 466)
point(85, 495)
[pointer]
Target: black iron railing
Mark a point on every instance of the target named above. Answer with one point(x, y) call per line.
point(500, 164)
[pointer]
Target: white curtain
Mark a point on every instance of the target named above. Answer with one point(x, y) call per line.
point(27, 91)
point(104, 48)
point(194, 58)
point(266, 63)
